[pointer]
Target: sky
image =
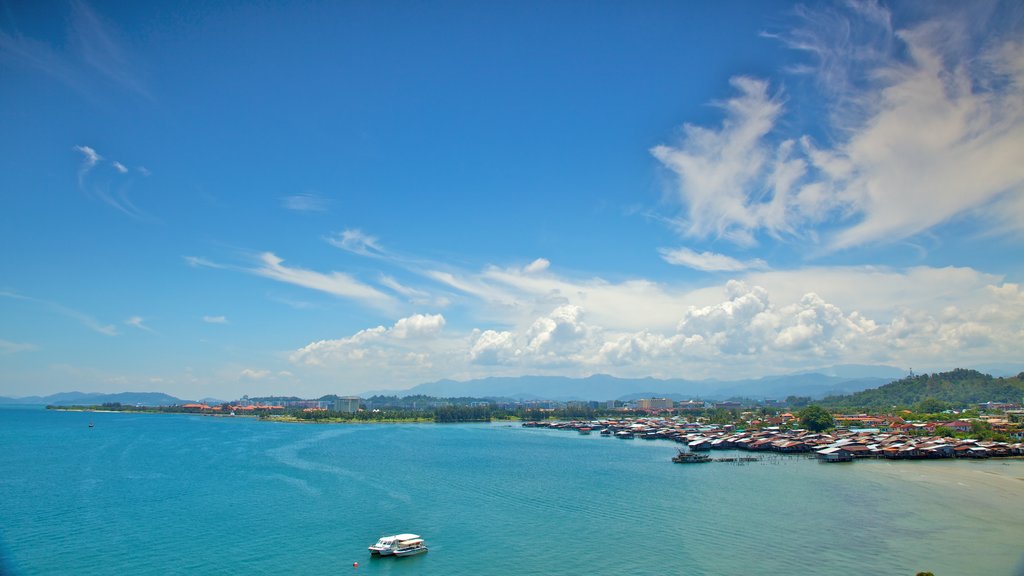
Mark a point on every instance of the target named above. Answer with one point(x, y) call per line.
point(307, 198)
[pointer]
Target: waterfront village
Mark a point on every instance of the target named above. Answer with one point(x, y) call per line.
point(886, 438)
point(988, 430)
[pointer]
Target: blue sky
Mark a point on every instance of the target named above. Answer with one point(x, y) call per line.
point(311, 198)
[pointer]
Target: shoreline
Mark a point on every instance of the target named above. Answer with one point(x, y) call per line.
point(279, 418)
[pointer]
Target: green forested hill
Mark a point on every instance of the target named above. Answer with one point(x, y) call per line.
point(957, 388)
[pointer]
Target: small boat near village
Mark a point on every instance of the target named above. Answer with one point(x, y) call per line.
point(398, 545)
point(690, 458)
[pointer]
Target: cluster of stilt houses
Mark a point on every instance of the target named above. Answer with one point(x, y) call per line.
point(835, 446)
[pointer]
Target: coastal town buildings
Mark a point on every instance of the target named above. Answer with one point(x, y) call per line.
point(654, 404)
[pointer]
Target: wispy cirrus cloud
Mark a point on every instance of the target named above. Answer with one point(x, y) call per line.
point(215, 319)
point(9, 347)
point(334, 283)
point(338, 284)
point(138, 322)
point(93, 54)
point(708, 261)
point(200, 262)
point(113, 192)
point(102, 46)
point(306, 203)
point(81, 317)
point(928, 122)
point(357, 242)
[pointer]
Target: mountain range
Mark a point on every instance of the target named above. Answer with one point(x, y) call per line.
point(97, 398)
point(834, 380)
point(829, 381)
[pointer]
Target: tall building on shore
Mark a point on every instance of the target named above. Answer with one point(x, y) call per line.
point(654, 404)
point(347, 404)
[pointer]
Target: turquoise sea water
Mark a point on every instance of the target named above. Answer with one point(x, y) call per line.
point(180, 494)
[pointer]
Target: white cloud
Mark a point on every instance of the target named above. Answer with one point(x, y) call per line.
point(415, 295)
point(407, 341)
point(199, 262)
point(558, 338)
point(418, 326)
point(357, 242)
point(793, 320)
point(103, 47)
point(138, 322)
point(83, 318)
point(334, 283)
point(90, 158)
point(114, 194)
point(252, 374)
point(929, 129)
point(9, 347)
point(708, 261)
point(492, 347)
point(306, 203)
point(215, 319)
point(538, 265)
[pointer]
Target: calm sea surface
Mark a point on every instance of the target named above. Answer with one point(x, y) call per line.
point(180, 494)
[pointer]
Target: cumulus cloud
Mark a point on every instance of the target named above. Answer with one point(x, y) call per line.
point(538, 265)
point(404, 342)
point(789, 322)
point(558, 338)
point(418, 326)
point(929, 127)
point(492, 347)
point(253, 374)
point(708, 261)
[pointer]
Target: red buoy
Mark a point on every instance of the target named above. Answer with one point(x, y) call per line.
point(355, 564)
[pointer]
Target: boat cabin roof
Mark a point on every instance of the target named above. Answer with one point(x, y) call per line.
point(406, 536)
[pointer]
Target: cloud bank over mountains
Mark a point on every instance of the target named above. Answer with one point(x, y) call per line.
point(745, 326)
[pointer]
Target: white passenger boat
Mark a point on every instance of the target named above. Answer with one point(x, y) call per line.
point(387, 545)
point(410, 547)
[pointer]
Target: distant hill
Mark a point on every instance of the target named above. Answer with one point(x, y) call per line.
point(96, 398)
point(958, 387)
point(605, 387)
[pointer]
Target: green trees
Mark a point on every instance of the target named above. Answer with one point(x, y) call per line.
point(931, 406)
point(815, 418)
point(934, 392)
point(797, 401)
